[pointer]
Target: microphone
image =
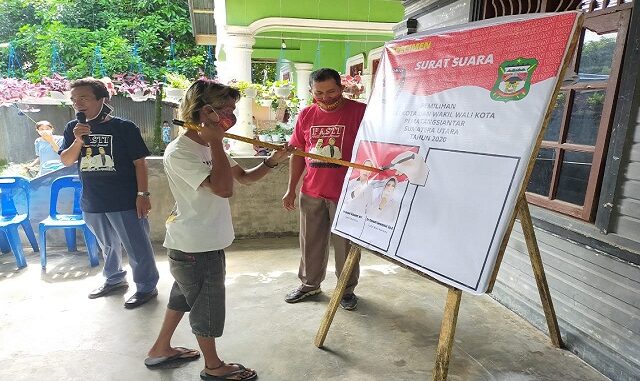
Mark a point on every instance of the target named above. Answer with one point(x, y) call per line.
point(82, 118)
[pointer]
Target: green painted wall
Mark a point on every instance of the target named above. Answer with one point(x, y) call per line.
point(244, 12)
point(332, 53)
point(302, 47)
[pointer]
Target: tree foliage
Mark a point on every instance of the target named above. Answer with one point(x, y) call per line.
point(75, 28)
point(597, 55)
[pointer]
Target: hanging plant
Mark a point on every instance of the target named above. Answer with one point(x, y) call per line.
point(247, 89)
point(282, 88)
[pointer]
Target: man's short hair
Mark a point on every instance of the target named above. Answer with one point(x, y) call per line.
point(324, 74)
point(98, 88)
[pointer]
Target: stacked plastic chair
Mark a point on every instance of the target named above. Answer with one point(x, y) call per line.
point(13, 190)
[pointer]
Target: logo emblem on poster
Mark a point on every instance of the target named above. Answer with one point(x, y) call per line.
point(514, 79)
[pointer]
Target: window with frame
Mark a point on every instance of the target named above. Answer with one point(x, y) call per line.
point(568, 170)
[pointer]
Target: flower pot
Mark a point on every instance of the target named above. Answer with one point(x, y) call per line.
point(174, 93)
point(264, 137)
point(62, 96)
point(282, 92)
point(275, 137)
point(138, 96)
point(250, 92)
point(287, 138)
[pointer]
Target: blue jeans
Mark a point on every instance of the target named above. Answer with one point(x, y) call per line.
point(115, 229)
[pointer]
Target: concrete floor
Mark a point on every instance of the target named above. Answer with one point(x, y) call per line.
point(50, 330)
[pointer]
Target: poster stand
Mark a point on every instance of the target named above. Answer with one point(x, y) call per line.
point(454, 295)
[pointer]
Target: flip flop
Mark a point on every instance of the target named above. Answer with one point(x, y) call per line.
point(186, 355)
point(231, 376)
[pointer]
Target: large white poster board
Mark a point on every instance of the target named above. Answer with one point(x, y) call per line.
point(453, 120)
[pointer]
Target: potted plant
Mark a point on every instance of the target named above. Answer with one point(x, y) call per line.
point(287, 131)
point(176, 85)
point(353, 86)
point(134, 85)
point(264, 137)
point(58, 87)
point(14, 89)
point(110, 86)
point(277, 133)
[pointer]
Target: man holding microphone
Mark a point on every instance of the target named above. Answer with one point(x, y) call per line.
point(115, 200)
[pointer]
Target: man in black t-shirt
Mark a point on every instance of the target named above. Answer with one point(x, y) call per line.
point(115, 197)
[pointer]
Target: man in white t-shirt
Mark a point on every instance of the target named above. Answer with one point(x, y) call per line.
point(201, 178)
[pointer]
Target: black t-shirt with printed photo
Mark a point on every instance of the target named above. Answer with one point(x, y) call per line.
point(106, 165)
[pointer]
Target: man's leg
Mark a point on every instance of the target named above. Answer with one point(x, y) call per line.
point(162, 346)
point(214, 365)
point(341, 247)
point(315, 226)
point(110, 245)
point(134, 233)
point(176, 308)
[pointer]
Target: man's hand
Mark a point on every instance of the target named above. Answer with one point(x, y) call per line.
point(80, 130)
point(211, 133)
point(143, 206)
point(289, 201)
point(280, 155)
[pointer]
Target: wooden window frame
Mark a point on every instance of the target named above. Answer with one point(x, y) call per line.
point(615, 19)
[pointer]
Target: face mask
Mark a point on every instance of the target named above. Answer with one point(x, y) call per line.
point(104, 112)
point(329, 104)
point(227, 119)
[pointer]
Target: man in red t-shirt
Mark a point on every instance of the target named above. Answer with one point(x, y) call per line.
point(328, 127)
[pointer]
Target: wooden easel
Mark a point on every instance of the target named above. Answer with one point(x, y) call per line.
point(454, 295)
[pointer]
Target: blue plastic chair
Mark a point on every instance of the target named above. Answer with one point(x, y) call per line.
point(68, 222)
point(14, 189)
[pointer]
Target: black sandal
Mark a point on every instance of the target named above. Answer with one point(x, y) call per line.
point(236, 375)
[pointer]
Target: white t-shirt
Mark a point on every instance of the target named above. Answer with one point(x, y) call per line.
point(201, 220)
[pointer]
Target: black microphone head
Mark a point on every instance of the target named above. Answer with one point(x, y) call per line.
point(82, 118)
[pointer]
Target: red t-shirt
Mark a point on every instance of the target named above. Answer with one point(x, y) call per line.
point(329, 134)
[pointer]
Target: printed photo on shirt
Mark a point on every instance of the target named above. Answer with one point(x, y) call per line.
point(326, 141)
point(97, 156)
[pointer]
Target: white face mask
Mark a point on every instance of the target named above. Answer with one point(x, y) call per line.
point(105, 111)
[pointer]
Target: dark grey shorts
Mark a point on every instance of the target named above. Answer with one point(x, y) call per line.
point(199, 289)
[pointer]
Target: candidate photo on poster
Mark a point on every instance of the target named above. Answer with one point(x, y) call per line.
point(372, 201)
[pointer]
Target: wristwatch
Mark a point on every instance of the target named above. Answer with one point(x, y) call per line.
point(144, 194)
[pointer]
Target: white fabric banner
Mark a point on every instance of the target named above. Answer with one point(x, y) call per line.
point(453, 120)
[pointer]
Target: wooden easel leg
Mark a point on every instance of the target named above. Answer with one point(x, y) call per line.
point(447, 331)
point(352, 258)
point(538, 272)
